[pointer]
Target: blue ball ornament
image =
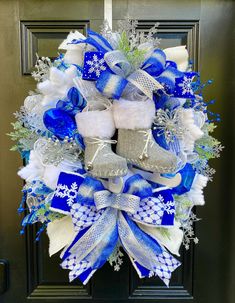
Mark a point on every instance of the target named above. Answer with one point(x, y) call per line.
point(59, 123)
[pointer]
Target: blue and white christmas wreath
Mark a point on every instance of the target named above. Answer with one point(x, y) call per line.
point(116, 138)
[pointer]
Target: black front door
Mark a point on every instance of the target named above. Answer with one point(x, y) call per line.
point(207, 271)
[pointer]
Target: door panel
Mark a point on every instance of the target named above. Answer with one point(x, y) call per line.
point(205, 27)
point(43, 38)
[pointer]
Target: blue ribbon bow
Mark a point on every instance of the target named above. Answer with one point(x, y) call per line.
point(112, 71)
point(102, 218)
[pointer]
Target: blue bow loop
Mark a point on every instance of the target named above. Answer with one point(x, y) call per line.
point(158, 210)
point(168, 78)
point(138, 186)
point(118, 63)
point(187, 174)
point(96, 40)
point(155, 64)
point(87, 190)
point(75, 102)
point(111, 85)
point(84, 212)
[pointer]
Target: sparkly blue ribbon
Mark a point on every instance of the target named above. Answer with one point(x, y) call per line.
point(101, 218)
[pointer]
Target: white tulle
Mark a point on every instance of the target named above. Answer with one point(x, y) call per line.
point(192, 133)
point(57, 86)
point(34, 170)
point(196, 193)
point(49, 174)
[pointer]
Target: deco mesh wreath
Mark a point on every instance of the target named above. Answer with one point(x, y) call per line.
point(117, 141)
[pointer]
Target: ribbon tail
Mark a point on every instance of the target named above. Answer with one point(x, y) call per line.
point(148, 256)
point(137, 244)
point(95, 260)
point(94, 234)
point(142, 271)
point(83, 265)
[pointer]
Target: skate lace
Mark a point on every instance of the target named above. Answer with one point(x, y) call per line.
point(101, 144)
point(148, 141)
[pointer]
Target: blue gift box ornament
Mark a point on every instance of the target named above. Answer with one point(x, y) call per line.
point(94, 65)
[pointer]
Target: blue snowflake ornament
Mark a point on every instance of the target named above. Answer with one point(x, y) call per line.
point(184, 86)
point(94, 65)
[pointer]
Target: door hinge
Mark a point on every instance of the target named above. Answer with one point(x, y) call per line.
point(4, 275)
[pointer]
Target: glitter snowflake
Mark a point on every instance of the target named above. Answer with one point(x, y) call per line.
point(96, 65)
point(42, 67)
point(204, 169)
point(53, 151)
point(169, 123)
point(186, 85)
point(115, 259)
point(105, 30)
point(136, 36)
point(188, 230)
point(63, 191)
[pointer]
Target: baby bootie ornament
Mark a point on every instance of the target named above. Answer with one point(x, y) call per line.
point(135, 140)
point(97, 128)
